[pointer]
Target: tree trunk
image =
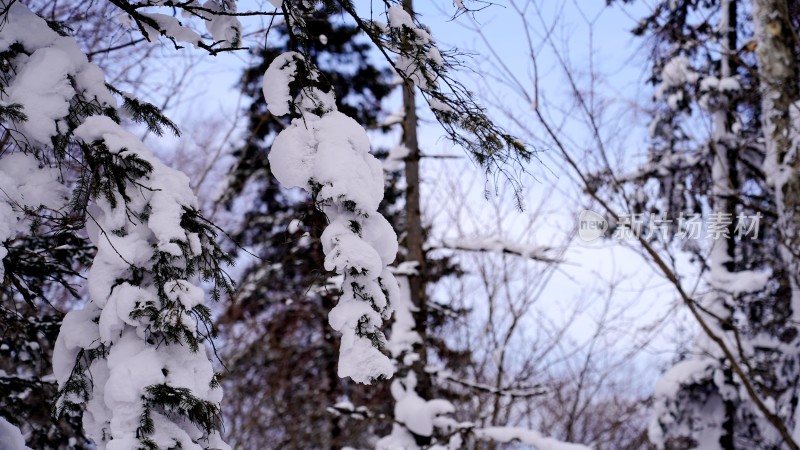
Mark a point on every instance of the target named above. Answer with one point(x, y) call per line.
point(415, 238)
point(778, 79)
point(724, 188)
point(778, 75)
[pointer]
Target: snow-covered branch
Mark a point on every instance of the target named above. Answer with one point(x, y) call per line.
point(219, 17)
point(11, 437)
point(327, 154)
point(497, 245)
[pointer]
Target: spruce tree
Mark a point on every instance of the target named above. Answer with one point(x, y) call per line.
point(69, 169)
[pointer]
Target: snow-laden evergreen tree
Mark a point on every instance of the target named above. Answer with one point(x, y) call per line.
point(135, 355)
point(284, 317)
point(737, 387)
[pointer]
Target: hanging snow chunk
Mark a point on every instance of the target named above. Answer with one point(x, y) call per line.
point(327, 154)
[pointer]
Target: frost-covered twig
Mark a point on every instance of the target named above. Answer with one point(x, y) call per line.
point(665, 268)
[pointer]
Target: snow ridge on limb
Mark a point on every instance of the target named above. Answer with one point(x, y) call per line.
point(134, 357)
point(327, 154)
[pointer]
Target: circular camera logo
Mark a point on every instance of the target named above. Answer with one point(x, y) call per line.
point(591, 226)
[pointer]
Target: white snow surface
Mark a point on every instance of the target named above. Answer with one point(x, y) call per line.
point(10, 437)
point(404, 334)
point(744, 281)
point(713, 92)
point(677, 72)
point(416, 413)
point(42, 85)
point(498, 245)
point(416, 67)
point(708, 417)
point(685, 372)
point(225, 30)
point(132, 365)
point(170, 27)
point(439, 105)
